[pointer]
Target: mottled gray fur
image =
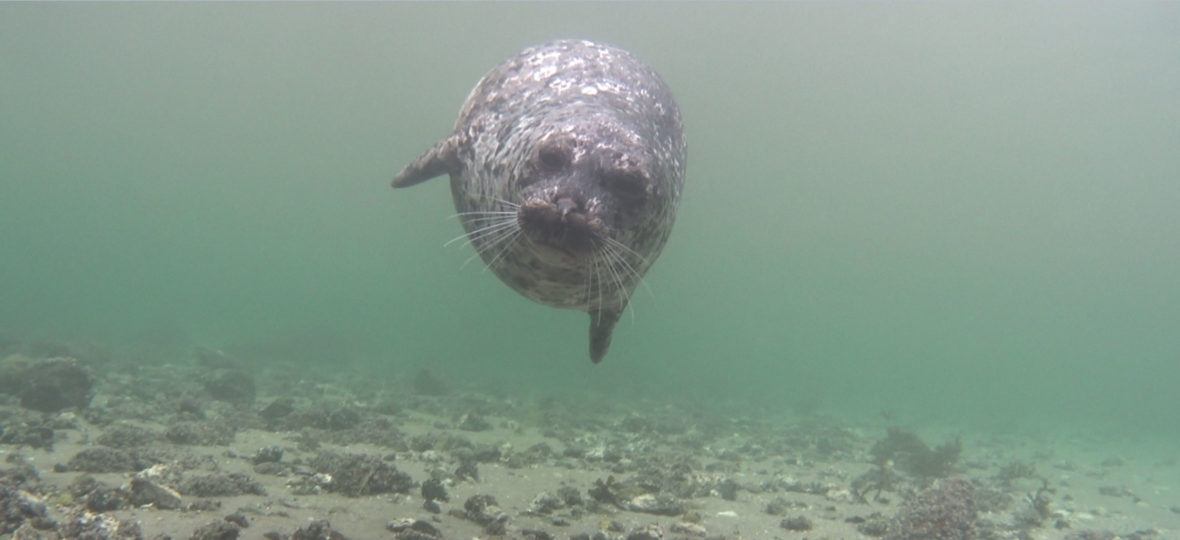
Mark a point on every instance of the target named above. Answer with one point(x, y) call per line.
point(566, 164)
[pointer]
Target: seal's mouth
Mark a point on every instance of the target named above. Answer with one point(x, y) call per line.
point(565, 223)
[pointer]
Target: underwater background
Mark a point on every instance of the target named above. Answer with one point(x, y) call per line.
point(952, 215)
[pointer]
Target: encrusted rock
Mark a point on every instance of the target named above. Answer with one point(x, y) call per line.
point(268, 454)
point(357, 474)
point(797, 523)
point(434, 490)
point(148, 492)
point(945, 511)
point(17, 507)
point(413, 529)
point(663, 505)
point(102, 459)
point(544, 503)
point(217, 530)
point(689, 529)
point(126, 436)
point(484, 510)
point(80, 523)
point(651, 531)
point(221, 485)
point(318, 530)
point(200, 434)
point(54, 384)
point(230, 385)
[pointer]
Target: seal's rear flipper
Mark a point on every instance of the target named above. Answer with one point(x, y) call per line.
point(602, 323)
point(442, 158)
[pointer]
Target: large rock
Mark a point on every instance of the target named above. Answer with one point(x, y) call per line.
point(54, 384)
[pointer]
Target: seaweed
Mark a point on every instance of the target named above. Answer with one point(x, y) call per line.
point(913, 456)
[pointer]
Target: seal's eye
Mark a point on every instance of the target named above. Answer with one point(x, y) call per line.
point(628, 184)
point(553, 157)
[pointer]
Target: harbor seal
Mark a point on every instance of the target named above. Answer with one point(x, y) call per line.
point(566, 164)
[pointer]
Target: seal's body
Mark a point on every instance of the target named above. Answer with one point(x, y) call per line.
point(566, 166)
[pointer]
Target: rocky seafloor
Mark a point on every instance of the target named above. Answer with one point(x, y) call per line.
point(213, 447)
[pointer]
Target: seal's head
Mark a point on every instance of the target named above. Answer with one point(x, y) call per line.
point(583, 186)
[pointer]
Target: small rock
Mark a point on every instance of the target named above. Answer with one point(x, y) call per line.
point(434, 490)
point(662, 504)
point(473, 422)
point(239, 519)
point(570, 496)
point(467, 470)
point(102, 459)
point(544, 503)
point(268, 454)
point(278, 408)
point(17, 507)
point(797, 523)
point(80, 523)
point(221, 485)
point(104, 499)
point(727, 489)
point(318, 530)
point(230, 385)
point(148, 492)
point(1113, 461)
point(413, 529)
point(651, 531)
point(689, 529)
point(355, 475)
point(126, 436)
point(31, 434)
point(874, 525)
point(200, 433)
point(535, 534)
point(217, 530)
point(54, 384)
point(482, 509)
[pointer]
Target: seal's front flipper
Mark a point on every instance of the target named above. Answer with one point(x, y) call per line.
point(602, 323)
point(442, 158)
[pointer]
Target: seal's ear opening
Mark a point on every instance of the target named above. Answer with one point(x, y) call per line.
point(602, 323)
point(442, 158)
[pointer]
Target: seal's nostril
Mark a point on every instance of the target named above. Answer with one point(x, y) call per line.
point(565, 205)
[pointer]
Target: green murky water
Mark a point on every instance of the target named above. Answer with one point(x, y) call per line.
point(961, 215)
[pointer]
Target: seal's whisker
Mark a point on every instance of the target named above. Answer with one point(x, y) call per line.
point(602, 267)
point(474, 220)
point(589, 265)
point(627, 249)
point(631, 268)
point(621, 287)
point(617, 262)
point(477, 233)
point(598, 278)
point(503, 249)
point(494, 222)
point(624, 292)
point(617, 257)
point(504, 241)
point(488, 240)
point(494, 241)
point(482, 213)
point(504, 202)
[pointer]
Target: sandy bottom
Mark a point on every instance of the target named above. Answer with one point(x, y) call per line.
point(555, 468)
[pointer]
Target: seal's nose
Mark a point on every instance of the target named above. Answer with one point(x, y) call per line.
point(565, 205)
